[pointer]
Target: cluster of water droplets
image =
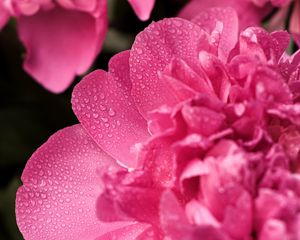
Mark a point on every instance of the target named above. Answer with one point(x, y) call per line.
point(60, 186)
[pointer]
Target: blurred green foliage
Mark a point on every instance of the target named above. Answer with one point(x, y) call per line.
point(29, 114)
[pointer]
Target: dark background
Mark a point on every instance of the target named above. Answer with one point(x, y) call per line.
point(29, 114)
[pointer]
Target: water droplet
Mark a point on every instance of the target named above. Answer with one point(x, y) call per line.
point(104, 119)
point(139, 50)
point(102, 107)
point(111, 112)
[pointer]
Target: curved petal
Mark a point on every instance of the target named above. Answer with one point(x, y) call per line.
point(83, 5)
point(4, 15)
point(60, 189)
point(249, 14)
point(277, 22)
point(153, 50)
point(229, 31)
point(142, 8)
point(103, 104)
point(129, 232)
point(295, 23)
point(60, 44)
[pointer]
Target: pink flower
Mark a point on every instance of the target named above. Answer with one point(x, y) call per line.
point(62, 38)
point(204, 123)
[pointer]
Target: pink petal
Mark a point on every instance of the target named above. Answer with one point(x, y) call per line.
point(130, 232)
point(103, 104)
point(157, 158)
point(274, 229)
point(60, 188)
point(280, 3)
point(249, 14)
point(194, 168)
point(202, 120)
point(63, 49)
point(181, 71)
point(142, 8)
point(267, 206)
point(172, 217)
point(153, 50)
point(222, 192)
point(238, 217)
point(290, 112)
point(230, 27)
point(295, 23)
point(130, 203)
point(267, 84)
point(176, 226)
point(257, 42)
point(179, 90)
point(83, 5)
point(160, 120)
point(129, 196)
point(277, 22)
point(198, 214)
point(4, 15)
point(216, 73)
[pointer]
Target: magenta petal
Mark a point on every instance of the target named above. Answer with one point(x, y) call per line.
point(172, 217)
point(181, 71)
point(153, 50)
point(60, 188)
point(295, 23)
point(203, 120)
point(274, 229)
point(129, 232)
point(175, 224)
point(198, 214)
point(216, 73)
point(278, 20)
point(63, 49)
point(229, 31)
point(103, 104)
point(248, 13)
point(4, 15)
point(142, 8)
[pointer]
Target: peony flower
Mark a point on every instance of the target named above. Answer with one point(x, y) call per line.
point(252, 12)
point(191, 134)
point(62, 38)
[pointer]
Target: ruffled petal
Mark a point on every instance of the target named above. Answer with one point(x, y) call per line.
point(153, 50)
point(63, 49)
point(60, 188)
point(103, 104)
point(176, 226)
point(228, 31)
